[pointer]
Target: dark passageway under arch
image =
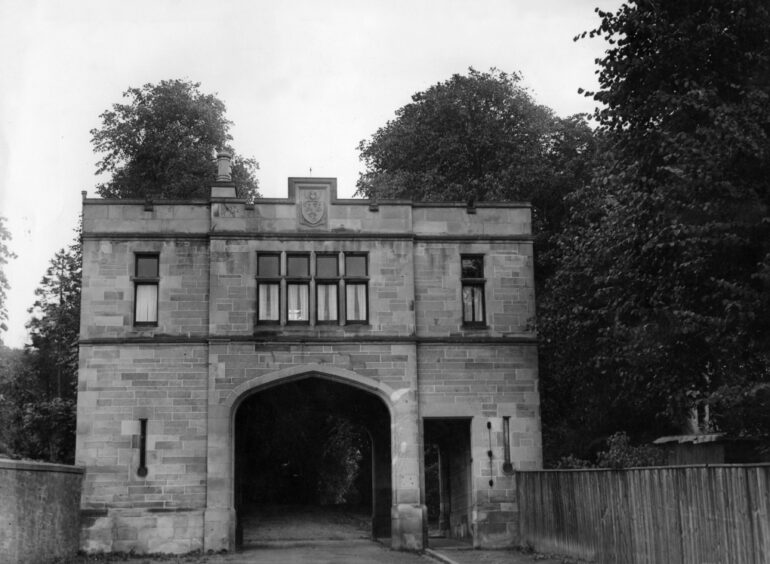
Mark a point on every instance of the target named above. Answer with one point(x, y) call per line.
point(311, 447)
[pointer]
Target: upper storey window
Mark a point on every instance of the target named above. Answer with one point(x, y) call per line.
point(268, 287)
point(356, 288)
point(327, 287)
point(146, 281)
point(303, 288)
point(473, 282)
point(298, 288)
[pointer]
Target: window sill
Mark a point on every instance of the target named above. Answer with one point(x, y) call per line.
point(475, 326)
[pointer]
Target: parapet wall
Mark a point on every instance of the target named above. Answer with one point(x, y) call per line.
point(39, 511)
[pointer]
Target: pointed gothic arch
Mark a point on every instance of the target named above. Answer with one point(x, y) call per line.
point(220, 516)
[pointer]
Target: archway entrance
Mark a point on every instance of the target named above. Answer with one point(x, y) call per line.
point(312, 462)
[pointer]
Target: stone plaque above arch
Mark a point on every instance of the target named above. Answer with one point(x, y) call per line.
point(312, 197)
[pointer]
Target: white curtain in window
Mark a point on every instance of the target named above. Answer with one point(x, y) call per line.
point(327, 302)
point(467, 303)
point(478, 307)
point(473, 304)
point(356, 302)
point(298, 302)
point(268, 302)
point(146, 303)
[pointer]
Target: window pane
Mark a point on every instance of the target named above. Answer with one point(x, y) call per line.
point(327, 302)
point(478, 304)
point(473, 304)
point(297, 265)
point(356, 302)
point(268, 265)
point(298, 304)
point(268, 302)
point(467, 303)
point(147, 267)
point(355, 265)
point(146, 303)
point(326, 266)
point(473, 267)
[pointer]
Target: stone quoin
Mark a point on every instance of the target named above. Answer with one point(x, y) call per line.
point(191, 307)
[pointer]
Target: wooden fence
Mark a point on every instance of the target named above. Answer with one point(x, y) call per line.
point(670, 515)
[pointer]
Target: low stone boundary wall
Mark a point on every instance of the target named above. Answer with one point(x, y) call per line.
point(39, 511)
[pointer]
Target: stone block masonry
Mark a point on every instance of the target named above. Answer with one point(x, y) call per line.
point(159, 388)
point(165, 385)
point(38, 511)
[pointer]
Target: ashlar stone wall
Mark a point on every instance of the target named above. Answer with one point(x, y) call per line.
point(187, 374)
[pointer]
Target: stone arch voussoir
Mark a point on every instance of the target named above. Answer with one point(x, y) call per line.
point(293, 373)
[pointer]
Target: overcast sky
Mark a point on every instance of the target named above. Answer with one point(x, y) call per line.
point(303, 81)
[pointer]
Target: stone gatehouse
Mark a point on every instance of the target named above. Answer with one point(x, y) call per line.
point(415, 313)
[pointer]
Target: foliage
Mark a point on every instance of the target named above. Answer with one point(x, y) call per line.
point(477, 136)
point(743, 410)
point(162, 143)
point(38, 386)
point(341, 456)
point(48, 427)
point(660, 292)
point(5, 256)
point(33, 424)
point(570, 462)
point(14, 372)
point(54, 327)
point(481, 136)
point(619, 453)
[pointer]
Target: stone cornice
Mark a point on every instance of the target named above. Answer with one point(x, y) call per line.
point(307, 235)
point(132, 236)
point(519, 339)
point(290, 201)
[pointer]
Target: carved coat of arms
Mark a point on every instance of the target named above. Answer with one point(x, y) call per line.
point(312, 207)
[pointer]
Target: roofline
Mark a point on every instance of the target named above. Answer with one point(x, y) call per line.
point(336, 201)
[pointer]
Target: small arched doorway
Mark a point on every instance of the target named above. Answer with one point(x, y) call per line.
point(312, 461)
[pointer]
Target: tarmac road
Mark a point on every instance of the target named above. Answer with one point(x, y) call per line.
point(320, 552)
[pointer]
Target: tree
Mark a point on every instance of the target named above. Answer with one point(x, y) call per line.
point(33, 423)
point(476, 136)
point(54, 327)
point(38, 386)
point(162, 143)
point(13, 374)
point(5, 256)
point(660, 295)
point(481, 136)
